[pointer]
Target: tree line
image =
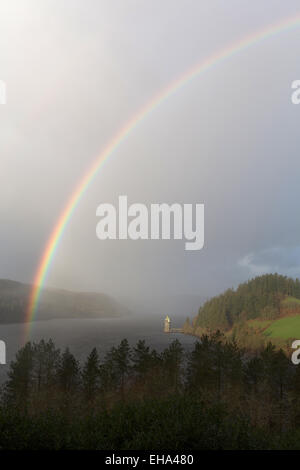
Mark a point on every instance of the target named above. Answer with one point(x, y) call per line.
point(260, 297)
point(215, 396)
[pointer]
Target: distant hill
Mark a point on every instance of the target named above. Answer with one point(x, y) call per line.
point(267, 306)
point(54, 303)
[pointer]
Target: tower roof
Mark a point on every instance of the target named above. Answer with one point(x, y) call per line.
point(167, 318)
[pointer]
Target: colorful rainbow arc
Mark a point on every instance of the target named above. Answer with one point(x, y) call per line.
point(82, 187)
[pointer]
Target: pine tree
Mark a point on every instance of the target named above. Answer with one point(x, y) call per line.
point(254, 374)
point(45, 365)
point(91, 376)
point(20, 377)
point(172, 358)
point(142, 358)
point(68, 372)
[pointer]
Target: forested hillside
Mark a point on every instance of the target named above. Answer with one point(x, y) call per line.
point(54, 303)
point(260, 297)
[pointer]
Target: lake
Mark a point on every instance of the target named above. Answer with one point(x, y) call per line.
point(82, 335)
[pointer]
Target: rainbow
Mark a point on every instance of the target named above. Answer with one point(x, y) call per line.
point(118, 139)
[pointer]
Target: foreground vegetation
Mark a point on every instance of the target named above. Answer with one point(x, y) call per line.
point(218, 396)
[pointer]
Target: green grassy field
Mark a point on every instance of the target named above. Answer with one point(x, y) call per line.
point(287, 327)
point(284, 328)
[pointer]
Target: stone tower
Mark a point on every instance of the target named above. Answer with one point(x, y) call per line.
point(167, 325)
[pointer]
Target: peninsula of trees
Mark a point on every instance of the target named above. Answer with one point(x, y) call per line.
point(266, 306)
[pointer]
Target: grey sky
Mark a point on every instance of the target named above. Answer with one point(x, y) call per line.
point(77, 70)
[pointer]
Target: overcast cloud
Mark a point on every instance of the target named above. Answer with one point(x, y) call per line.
point(77, 70)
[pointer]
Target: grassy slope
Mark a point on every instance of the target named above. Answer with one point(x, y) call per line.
point(287, 327)
point(284, 328)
